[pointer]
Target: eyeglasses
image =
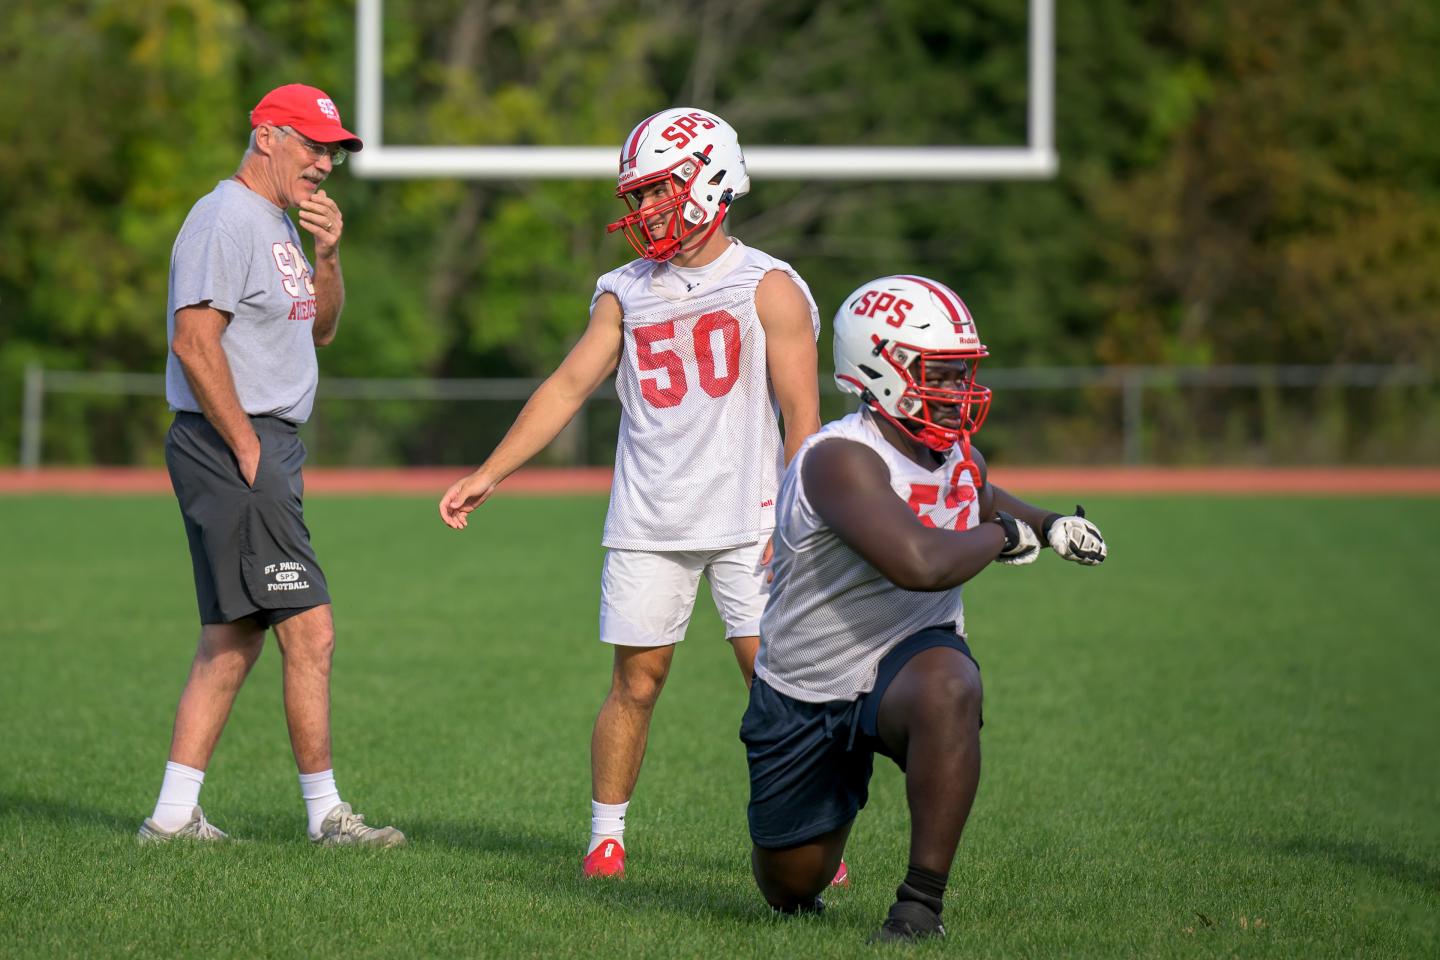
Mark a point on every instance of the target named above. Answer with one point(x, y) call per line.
point(316, 150)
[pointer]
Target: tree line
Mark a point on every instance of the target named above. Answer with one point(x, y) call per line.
point(1240, 183)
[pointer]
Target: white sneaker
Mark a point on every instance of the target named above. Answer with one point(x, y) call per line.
point(196, 828)
point(343, 827)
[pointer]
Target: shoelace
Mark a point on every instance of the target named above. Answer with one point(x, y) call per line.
point(353, 823)
point(206, 830)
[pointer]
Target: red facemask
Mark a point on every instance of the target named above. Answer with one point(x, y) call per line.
point(675, 232)
point(970, 400)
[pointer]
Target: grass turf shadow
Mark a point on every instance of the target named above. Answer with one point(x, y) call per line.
point(64, 813)
point(1365, 855)
point(693, 886)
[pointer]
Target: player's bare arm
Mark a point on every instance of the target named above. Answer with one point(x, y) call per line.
point(790, 356)
point(198, 330)
point(1071, 536)
point(849, 486)
point(1020, 509)
point(320, 215)
point(552, 405)
point(994, 499)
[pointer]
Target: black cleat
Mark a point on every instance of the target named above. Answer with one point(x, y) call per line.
point(811, 907)
point(908, 921)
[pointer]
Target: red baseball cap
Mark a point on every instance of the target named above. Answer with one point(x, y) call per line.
point(308, 110)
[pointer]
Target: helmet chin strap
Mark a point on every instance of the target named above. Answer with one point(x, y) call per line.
point(932, 437)
point(722, 208)
point(936, 439)
point(968, 462)
point(941, 441)
point(663, 249)
point(666, 247)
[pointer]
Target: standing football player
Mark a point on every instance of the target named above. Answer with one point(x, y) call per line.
point(882, 516)
point(709, 335)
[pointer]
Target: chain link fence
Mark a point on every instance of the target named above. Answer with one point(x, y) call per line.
point(1135, 415)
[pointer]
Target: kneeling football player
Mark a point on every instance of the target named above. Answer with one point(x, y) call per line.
point(882, 515)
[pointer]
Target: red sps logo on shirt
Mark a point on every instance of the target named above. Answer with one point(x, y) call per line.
point(295, 278)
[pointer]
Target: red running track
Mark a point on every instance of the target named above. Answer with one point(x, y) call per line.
point(433, 481)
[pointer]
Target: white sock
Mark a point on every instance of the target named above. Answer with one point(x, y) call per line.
point(607, 822)
point(321, 796)
point(179, 795)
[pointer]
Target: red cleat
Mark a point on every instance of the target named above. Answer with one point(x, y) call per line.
point(842, 876)
point(606, 860)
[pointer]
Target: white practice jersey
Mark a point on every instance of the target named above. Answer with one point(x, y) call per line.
point(832, 617)
point(699, 455)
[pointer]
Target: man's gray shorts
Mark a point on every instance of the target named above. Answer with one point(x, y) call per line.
point(249, 545)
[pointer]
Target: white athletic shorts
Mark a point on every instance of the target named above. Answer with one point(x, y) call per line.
point(646, 596)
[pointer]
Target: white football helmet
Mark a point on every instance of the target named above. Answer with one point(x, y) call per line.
point(888, 334)
point(702, 153)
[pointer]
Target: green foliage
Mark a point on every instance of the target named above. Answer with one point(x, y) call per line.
point(1239, 183)
point(1293, 213)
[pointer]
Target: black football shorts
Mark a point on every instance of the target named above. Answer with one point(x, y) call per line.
point(810, 763)
point(249, 546)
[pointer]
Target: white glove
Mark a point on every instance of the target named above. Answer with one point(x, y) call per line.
point(1075, 538)
point(1021, 544)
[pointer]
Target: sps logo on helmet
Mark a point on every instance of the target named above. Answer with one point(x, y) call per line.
point(683, 130)
point(886, 305)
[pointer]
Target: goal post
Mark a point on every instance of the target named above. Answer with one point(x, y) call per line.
point(1035, 160)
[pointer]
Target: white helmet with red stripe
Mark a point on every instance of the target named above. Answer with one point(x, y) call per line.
point(702, 154)
point(908, 347)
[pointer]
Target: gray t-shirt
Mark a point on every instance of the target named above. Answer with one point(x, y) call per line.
point(241, 254)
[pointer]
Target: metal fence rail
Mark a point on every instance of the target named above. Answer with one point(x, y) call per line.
point(1131, 382)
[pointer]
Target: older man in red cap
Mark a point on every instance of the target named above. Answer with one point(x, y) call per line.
point(246, 312)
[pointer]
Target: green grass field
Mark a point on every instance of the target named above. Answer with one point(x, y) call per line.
point(1223, 742)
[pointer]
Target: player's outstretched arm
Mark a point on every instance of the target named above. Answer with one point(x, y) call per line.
point(1072, 537)
point(1016, 516)
point(849, 486)
point(552, 405)
point(790, 355)
point(994, 498)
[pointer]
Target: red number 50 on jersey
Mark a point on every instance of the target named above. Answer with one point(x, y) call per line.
point(713, 379)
